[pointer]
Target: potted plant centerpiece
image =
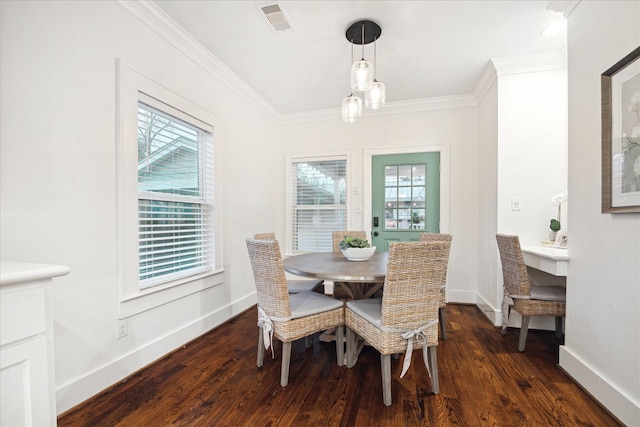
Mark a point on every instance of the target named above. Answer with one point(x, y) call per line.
point(356, 249)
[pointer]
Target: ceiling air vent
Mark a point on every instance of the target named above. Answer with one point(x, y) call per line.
point(275, 16)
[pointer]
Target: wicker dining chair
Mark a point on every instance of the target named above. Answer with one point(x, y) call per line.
point(426, 237)
point(406, 317)
point(286, 316)
point(296, 286)
point(521, 295)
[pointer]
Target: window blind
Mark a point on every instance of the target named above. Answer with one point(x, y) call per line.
point(175, 169)
point(319, 203)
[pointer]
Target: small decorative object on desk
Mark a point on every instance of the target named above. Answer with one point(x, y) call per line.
point(356, 249)
point(561, 240)
point(554, 224)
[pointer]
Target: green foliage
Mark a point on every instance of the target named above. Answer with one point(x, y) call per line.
point(554, 225)
point(353, 242)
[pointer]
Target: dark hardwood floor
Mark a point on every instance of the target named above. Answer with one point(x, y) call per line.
point(214, 381)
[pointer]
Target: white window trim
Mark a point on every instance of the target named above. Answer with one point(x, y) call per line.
point(314, 157)
point(133, 299)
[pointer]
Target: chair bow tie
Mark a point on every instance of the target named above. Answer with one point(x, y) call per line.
point(265, 323)
point(421, 338)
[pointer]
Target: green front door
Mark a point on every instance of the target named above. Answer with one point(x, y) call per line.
point(405, 197)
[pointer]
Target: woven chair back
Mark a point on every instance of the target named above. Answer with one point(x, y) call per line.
point(339, 235)
point(265, 236)
point(415, 273)
point(270, 279)
point(514, 270)
point(437, 237)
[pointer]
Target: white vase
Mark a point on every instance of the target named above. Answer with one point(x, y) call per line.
point(552, 235)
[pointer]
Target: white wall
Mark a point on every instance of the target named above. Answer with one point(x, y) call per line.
point(602, 346)
point(58, 180)
point(532, 151)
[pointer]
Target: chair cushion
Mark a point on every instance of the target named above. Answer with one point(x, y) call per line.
point(302, 285)
point(308, 303)
point(369, 308)
point(548, 293)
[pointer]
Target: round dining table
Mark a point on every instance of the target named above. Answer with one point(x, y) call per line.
point(360, 279)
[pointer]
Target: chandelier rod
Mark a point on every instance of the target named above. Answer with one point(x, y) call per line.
point(363, 41)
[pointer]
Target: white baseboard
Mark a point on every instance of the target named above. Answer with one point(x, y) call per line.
point(619, 404)
point(82, 388)
point(493, 314)
point(462, 297)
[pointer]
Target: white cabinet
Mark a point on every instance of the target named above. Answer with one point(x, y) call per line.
point(27, 394)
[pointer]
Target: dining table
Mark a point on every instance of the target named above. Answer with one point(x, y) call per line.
point(359, 279)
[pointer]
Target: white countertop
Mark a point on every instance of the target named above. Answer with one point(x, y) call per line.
point(551, 252)
point(17, 272)
point(549, 259)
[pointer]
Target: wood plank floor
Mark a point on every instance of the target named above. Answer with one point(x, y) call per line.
point(214, 381)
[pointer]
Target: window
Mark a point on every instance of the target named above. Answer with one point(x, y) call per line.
point(318, 202)
point(174, 202)
point(167, 245)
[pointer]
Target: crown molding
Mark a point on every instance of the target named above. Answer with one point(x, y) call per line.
point(505, 66)
point(156, 19)
point(566, 7)
point(486, 81)
point(529, 64)
point(390, 109)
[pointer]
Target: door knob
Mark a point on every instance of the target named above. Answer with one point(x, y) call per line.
point(375, 234)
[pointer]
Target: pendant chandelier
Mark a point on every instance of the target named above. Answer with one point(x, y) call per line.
point(363, 72)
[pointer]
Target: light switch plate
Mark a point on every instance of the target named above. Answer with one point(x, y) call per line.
point(516, 203)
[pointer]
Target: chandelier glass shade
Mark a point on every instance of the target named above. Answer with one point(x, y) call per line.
point(375, 97)
point(361, 75)
point(351, 108)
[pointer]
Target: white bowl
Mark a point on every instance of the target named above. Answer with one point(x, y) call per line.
point(358, 254)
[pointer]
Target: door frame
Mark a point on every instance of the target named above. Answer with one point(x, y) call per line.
point(444, 179)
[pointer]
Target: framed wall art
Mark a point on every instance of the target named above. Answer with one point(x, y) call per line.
point(620, 86)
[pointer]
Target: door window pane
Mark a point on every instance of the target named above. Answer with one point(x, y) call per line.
point(391, 219)
point(405, 188)
point(418, 175)
point(391, 176)
point(404, 175)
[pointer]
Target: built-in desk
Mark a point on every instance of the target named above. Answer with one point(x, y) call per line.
point(546, 258)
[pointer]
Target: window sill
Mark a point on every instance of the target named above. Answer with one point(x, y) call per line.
point(156, 296)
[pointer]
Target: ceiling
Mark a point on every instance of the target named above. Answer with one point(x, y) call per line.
point(428, 49)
